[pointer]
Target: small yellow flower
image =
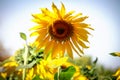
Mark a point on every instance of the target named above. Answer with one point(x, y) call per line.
point(46, 69)
point(9, 68)
point(59, 31)
point(78, 75)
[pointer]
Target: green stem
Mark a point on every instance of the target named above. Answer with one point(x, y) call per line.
point(58, 73)
point(25, 60)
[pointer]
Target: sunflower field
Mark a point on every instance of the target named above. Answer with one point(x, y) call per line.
point(58, 35)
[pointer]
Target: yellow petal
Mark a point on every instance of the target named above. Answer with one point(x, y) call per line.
point(39, 32)
point(41, 17)
point(43, 22)
point(69, 49)
point(61, 49)
point(82, 25)
point(36, 27)
point(73, 17)
point(31, 72)
point(42, 34)
point(36, 20)
point(4, 75)
point(77, 15)
point(81, 77)
point(46, 12)
point(82, 36)
point(76, 45)
point(118, 78)
point(58, 50)
point(83, 31)
point(58, 62)
point(56, 10)
point(43, 42)
point(63, 10)
point(81, 19)
point(68, 14)
point(74, 48)
point(54, 52)
point(81, 43)
point(34, 34)
point(48, 47)
point(37, 16)
point(117, 72)
point(117, 54)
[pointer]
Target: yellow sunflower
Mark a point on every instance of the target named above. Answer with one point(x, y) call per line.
point(59, 31)
point(9, 68)
point(46, 69)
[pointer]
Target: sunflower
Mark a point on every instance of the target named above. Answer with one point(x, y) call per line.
point(59, 31)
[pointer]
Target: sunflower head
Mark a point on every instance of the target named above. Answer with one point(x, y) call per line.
point(59, 31)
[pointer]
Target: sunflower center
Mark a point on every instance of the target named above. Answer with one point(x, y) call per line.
point(61, 30)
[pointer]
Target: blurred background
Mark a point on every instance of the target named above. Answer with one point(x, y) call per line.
point(104, 17)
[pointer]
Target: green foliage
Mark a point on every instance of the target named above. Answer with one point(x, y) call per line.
point(12, 76)
point(23, 36)
point(65, 74)
point(84, 60)
point(1, 78)
point(91, 74)
point(33, 57)
point(97, 72)
point(26, 66)
point(105, 74)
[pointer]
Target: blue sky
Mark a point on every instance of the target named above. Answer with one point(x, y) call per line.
point(15, 17)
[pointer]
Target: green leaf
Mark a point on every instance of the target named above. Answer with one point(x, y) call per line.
point(65, 74)
point(37, 78)
point(23, 35)
point(26, 66)
point(95, 61)
point(1, 78)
